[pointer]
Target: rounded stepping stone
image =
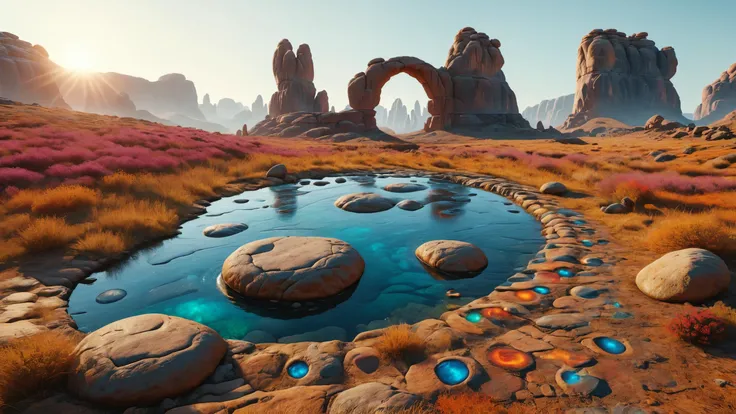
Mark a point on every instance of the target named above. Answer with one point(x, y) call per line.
point(144, 359)
point(364, 203)
point(404, 187)
point(320, 183)
point(224, 229)
point(553, 188)
point(452, 256)
point(110, 296)
point(584, 292)
point(340, 180)
point(566, 321)
point(409, 205)
point(277, 171)
point(292, 268)
point(240, 201)
point(576, 381)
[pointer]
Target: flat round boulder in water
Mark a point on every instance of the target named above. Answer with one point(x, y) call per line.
point(405, 187)
point(110, 296)
point(224, 229)
point(364, 203)
point(144, 359)
point(452, 256)
point(292, 268)
point(409, 205)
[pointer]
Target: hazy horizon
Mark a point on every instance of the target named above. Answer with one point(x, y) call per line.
point(226, 47)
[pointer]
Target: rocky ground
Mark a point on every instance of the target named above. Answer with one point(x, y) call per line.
point(540, 339)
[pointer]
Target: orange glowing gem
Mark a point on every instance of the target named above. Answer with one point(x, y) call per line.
point(495, 313)
point(526, 295)
point(510, 359)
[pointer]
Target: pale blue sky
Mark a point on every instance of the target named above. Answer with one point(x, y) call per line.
point(226, 47)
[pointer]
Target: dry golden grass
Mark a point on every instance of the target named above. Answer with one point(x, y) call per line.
point(48, 233)
point(143, 218)
point(724, 312)
point(400, 342)
point(58, 200)
point(101, 243)
point(476, 403)
point(33, 364)
point(679, 230)
point(14, 223)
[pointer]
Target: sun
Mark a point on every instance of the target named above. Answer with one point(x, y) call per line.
point(78, 59)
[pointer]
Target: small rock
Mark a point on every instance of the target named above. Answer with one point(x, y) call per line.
point(452, 256)
point(409, 205)
point(628, 203)
point(452, 293)
point(340, 180)
point(665, 157)
point(224, 229)
point(320, 183)
point(615, 208)
point(547, 390)
point(277, 171)
point(110, 296)
point(553, 188)
point(689, 150)
point(721, 382)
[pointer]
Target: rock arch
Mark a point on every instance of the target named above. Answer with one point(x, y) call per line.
point(364, 90)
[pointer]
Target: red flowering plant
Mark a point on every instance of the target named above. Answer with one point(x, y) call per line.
point(697, 326)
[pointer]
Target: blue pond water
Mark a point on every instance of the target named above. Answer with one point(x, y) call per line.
point(610, 345)
point(452, 371)
point(570, 377)
point(179, 276)
point(297, 369)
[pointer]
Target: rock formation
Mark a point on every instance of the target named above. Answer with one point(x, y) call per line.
point(470, 92)
point(294, 75)
point(227, 108)
point(625, 78)
point(259, 109)
point(27, 74)
point(719, 98)
point(551, 112)
point(208, 109)
point(170, 94)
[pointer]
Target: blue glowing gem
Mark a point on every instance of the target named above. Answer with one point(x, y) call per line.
point(610, 345)
point(602, 241)
point(297, 369)
point(474, 317)
point(579, 222)
point(617, 305)
point(543, 290)
point(565, 272)
point(571, 377)
point(587, 243)
point(452, 371)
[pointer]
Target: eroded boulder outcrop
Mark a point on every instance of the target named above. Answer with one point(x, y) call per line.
point(624, 77)
point(689, 275)
point(718, 99)
point(292, 268)
point(144, 359)
point(294, 73)
point(550, 112)
point(26, 73)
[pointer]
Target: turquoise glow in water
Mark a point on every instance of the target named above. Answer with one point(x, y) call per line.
point(474, 317)
point(571, 377)
point(579, 222)
point(179, 276)
point(610, 345)
point(297, 369)
point(544, 290)
point(452, 371)
point(587, 243)
point(622, 315)
point(617, 305)
point(565, 272)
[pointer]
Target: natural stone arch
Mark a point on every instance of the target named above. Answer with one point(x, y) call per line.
point(364, 90)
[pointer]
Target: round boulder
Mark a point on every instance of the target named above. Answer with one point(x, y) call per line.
point(224, 229)
point(404, 187)
point(277, 171)
point(292, 268)
point(364, 203)
point(144, 359)
point(688, 275)
point(410, 205)
point(553, 188)
point(452, 256)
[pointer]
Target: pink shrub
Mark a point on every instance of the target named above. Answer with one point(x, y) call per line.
point(668, 181)
point(6, 134)
point(90, 168)
point(533, 160)
point(580, 159)
point(155, 163)
point(84, 180)
point(18, 176)
point(11, 190)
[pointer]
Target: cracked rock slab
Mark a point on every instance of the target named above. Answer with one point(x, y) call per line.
point(144, 359)
point(372, 397)
point(293, 268)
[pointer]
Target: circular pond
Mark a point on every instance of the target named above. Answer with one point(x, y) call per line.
point(180, 276)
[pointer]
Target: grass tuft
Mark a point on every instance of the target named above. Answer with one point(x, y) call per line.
point(680, 230)
point(48, 233)
point(400, 342)
point(34, 363)
point(101, 243)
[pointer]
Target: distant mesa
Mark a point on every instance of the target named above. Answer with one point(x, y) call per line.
point(27, 74)
point(625, 78)
point(719, 98)
point(550, 112)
